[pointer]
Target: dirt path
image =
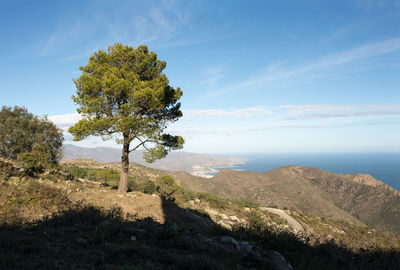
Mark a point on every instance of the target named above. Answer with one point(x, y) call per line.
point(134, 203)
point(297, 227)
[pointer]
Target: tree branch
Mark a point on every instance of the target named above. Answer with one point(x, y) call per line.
point(141, 143)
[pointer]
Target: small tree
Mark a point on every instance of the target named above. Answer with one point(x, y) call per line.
point(22, 132)
point(123, 94)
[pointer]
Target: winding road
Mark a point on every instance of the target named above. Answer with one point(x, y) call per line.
point(297, 227)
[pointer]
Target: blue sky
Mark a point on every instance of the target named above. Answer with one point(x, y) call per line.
point(258, 76)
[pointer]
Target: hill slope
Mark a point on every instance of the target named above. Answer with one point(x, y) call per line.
point(58, 221)
point(356, 198)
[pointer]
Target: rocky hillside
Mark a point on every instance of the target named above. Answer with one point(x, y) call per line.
point(72, 218)
point(356, 198)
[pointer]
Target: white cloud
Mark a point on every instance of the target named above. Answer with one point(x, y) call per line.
point(317, 107)
point(313, 111)
point(343, 114)
point(65, 120)
point(359, 53)
point(212, 75)
point(279, 72)
point(245, 112)
point(220, 125)
point(96, 27)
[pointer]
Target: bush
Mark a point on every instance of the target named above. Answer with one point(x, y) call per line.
point(35, 161)
point(148, 187)
point(165, 186)
point(109, 176)
point(7, 170)
point(78, 172)
point(213, 200)
point(256, 222)
point(144, 186)
point(165, 181)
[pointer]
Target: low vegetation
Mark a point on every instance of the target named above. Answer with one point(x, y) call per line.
point(42, 227)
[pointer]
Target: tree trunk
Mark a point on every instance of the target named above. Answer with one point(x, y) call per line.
point(123, 181)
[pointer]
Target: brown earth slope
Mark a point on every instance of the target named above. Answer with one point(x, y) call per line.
point(357, 198)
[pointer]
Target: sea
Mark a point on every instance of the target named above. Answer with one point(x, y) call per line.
point(384, 166)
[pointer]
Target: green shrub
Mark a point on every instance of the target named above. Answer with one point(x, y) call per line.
point(165, 181)
point(148, 187)
point(246, 204)
point(104, 175)
point(213, 200)
point(78, 172)
point(256, 222)
point(165, 187)
point(35, 161)
point(7, 170)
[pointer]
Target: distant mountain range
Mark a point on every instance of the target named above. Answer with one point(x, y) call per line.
point(197, 164)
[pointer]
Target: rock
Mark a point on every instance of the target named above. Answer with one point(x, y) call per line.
point(154, 195)
point(229, 242)
point(105, 223)
point(174, 227)
point(146, 222)
point(278, 261)
point(138, 231)
point(80, 240)
point(69, 191)
point(212, 212)
point(223, 216)
point(257, 254)
point(133, 238)
point(245, 246)
point(234, 218)
point(225, 225)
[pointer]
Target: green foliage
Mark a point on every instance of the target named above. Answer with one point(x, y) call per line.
point(7, 170)
point(35, 161)
point(78, 172)
point(21, 132)
point(246, 204)
point(165, 181)
point(256, 222)
point(165, 187)
point(19, 198)
point(147, 186)
point(213, 200)
point(123, 91)
point(109, 176)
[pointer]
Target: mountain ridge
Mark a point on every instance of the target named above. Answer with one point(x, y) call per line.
point(197, 164)
point(356, 198)
point(359, 199)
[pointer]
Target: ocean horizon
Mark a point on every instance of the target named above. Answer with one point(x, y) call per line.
point(384, 166)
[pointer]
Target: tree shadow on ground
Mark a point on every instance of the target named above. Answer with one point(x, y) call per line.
point(88, 237)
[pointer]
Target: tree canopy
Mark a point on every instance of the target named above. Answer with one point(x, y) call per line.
point(22, 132)
point(123, 94)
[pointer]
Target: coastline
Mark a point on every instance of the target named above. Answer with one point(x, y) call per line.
point(208, 171)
